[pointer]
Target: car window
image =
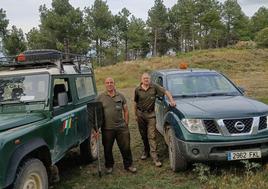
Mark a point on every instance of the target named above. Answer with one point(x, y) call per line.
point(200, 83)
point(84, 87)
point(61, 85)
point(159, 81)
point(24, 88)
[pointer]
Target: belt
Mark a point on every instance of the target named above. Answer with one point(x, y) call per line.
point(146, 111)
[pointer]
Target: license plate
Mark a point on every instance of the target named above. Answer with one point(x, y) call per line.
point(236, 155)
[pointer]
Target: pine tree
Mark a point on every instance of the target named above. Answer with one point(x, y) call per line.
point(157, 22)
point(14, 41)
point(260, 19)
point(99, 20)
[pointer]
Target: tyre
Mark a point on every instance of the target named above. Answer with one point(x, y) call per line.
point(31, 174)
point(89, 148)
point(176, 159)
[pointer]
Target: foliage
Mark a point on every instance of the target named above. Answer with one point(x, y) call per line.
point(259, 20)
point(157, 22)
point(108, 38)
point(40, 40)
point(3, 23)
point(61, 26)
point(250, 167)
point(210, 29)
point(182, 15)
point(262, 38)
point(14, 41)
point(236, 22)
point(99, 20)
point(245, 45)
point(202, 171)
point(138, 36)
point(122, 22)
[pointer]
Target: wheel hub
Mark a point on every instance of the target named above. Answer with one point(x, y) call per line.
point(33, 182)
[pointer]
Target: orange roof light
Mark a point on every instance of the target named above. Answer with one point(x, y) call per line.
point(21, 57)
point(183, 66)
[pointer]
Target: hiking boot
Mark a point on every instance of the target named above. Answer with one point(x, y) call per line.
point(131, 169)
point(109, 170)
point(144, 156)
point(157, 163)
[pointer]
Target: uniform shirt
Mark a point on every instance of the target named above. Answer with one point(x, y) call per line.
point(145, 100)
point(113, 110)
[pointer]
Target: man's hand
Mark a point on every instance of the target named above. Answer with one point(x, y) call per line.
point(172, 103)
point(170, 98)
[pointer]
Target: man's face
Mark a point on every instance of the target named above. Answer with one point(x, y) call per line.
point(145, 79)
point(109, 84)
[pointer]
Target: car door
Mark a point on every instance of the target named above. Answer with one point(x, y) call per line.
point(86, 94)
point(159, 105)
point(65, 117)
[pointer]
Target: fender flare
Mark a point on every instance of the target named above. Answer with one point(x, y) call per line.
point(171, 118)
point(174, 122)
point(19, 153)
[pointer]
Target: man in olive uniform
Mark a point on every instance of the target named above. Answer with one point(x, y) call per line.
point(115, 127)
point(144, 97)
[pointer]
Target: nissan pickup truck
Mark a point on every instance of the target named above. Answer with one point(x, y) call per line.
point(213, 120)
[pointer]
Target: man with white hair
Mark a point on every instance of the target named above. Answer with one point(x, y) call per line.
point(144, 98)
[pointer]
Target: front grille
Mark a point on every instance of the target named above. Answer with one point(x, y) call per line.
point(211, 126)
point(230, 125)
point(263, 123)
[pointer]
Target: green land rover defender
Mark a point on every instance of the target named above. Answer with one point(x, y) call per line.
point(46, 108)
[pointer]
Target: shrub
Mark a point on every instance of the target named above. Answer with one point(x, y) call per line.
point(245, 45)
point(262, 38)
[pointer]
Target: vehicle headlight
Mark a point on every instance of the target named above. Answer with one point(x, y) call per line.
point(194, 125)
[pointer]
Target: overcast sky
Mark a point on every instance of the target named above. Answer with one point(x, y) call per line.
point(24, 13)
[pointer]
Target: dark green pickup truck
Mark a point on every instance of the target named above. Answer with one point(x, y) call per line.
point(46, 98)
point(212, 121)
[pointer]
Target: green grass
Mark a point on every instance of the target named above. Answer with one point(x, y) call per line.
point(247, 68)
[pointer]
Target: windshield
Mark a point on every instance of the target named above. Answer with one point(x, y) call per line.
point(24, 88)
point(200, 84)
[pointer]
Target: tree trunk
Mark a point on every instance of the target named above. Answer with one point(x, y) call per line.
point(193, 41)
point(182, 43)
point(98, 51)
point(200, 38)
point(178, 46)
point(116, 50)
point(155, 41)
point(100, 54)
point(126, 49)
point(217, 40)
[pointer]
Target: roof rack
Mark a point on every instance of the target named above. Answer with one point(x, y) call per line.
point(45, 58)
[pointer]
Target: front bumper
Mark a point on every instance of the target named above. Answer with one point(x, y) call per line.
point(217, 151)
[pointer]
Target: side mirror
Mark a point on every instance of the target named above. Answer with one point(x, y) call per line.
point(242, 90)
point(62, 99)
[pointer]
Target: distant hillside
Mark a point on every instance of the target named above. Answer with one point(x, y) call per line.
point(247, 68)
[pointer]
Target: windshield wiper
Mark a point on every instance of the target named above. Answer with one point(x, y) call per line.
point(205, 95)
point(187, 96)
point(222, 94)
point(8, 101)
